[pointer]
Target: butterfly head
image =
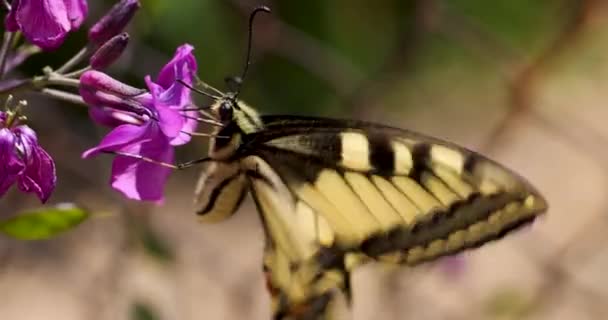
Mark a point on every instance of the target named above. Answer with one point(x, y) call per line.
point(224, 108)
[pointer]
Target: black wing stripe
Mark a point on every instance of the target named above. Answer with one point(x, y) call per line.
point(217, 192)
point(421, 153)
point(329, 146)
point(439, 226)
point(381, 154)
point(507, 219)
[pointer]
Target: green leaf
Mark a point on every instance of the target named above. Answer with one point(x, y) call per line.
point(142, 311)
point(43, 223)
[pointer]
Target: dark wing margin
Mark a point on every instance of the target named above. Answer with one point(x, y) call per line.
point(354, 191)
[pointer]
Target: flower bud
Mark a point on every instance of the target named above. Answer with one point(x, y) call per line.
point(111, 101)
point(113, 22)
point(100, 81)
point(109, 51)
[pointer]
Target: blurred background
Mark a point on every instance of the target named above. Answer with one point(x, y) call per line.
point(525, 82)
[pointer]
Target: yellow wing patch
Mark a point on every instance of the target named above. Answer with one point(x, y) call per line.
point(403, 158)
point(355, 151)
point(334, 188)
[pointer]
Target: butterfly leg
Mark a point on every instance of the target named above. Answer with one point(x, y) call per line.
point(177, 166)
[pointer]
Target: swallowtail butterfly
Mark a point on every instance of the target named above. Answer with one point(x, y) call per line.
point(334, 194)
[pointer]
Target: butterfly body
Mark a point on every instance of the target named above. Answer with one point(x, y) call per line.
point(333, 194)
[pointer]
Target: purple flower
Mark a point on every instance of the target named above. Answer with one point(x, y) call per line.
point(46, 23)
point(146, 124)
point(23, 161)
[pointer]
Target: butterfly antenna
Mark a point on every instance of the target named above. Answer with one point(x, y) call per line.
point(239, 80)
point(199, 91)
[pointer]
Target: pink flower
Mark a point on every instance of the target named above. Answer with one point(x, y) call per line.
point(23, 161)
point(46, 23)
point(146, 124)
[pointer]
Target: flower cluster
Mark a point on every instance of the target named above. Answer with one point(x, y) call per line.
point(147, 123)
point(22, 160)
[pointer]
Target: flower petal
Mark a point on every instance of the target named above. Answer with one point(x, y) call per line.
point(181, 66)
point(39, 175)
point(176, 95)
point(173, 95)
point(119, 138)
point(10, 165)
point(111, 117)
point(77, 11)
point(141, 180)
point(189, 126)
point(44, 23)
point(170, 122)
point(169, 119)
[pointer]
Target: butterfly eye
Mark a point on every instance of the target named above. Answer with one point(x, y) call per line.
point(225, 111)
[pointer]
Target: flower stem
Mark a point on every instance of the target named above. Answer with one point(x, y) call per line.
point(6, 45)
point(77, 73)
point(59, 80)
point(65, 96)
point(75, 60)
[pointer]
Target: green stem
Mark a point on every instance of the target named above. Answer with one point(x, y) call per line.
point(6, 45)
point(77, 73)
point(57, 80)
point(75, 60)
point(65, 96)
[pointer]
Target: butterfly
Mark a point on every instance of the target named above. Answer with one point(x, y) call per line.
point(335, 194)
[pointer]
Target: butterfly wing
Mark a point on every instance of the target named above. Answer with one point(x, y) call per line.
point(333, 194)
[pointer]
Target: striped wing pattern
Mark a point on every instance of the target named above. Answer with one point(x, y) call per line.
point(333, 194)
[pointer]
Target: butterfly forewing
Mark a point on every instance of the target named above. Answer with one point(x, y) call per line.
point(370, 182)
point(334, 194)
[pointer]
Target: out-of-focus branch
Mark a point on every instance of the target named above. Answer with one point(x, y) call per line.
point(523, 84)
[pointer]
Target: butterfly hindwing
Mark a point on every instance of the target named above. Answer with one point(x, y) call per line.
point(302, 273)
